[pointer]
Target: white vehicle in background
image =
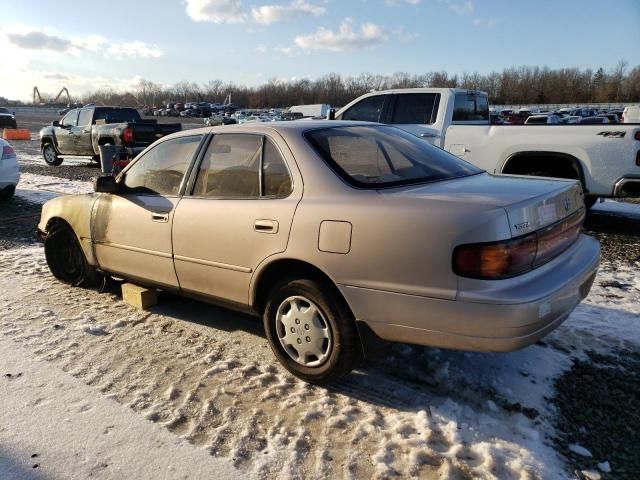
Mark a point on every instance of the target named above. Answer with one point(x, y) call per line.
point(604, 158)
point(542, 120)
point(9, 172)
point(631, 114)
point(319, 110)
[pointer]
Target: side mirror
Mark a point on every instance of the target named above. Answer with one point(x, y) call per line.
point(55, 123)
point(106, 184)
point(331, 114)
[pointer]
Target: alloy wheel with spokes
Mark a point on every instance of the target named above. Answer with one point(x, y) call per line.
point(303, 331)
point(50, 155)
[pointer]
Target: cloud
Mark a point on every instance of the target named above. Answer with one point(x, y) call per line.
point(463, 8)
point(32, 39)
point(344, 39)
point(268, 14)
point(397, 3)
point(135, 49)
point(479, 22)
point(39, 41)
point(216, 11)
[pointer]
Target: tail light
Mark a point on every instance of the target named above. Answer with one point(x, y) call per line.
point(127, 135)
point(638, 158)
point(7, 152)
point(637, 135)
point(497, 260)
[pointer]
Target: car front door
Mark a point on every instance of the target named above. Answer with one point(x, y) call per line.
point(238, 213)
point(63, 133)
point(82, 133)
point(132, 229)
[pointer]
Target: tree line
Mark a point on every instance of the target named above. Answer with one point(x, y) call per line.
point(511, 86)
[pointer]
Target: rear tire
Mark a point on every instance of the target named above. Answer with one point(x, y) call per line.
point(311, 330)
point(50, 155)
point(66, 259)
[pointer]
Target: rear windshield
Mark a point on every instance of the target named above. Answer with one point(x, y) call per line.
point(382, 156)
point(117, 115)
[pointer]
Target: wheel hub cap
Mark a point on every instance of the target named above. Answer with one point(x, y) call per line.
point(303, 331)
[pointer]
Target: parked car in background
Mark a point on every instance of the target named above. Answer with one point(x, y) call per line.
point(9, 171)
point(613, 118)
point(570, 119)
point(600, 119)
point(542, 120)
point(277, 220)
point(7, 119)
point(631, 114)
point(605, 158)
point(82, 131)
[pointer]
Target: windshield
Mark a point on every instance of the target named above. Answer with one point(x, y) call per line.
point(381, 156)
point(117, 115)
point(3, 110)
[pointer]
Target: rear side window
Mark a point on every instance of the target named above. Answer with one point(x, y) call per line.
point(231, 167)
point(415, 108)
point(161, 169)
point(242, 166)
point(382, 156)
point(85, 117)
point(275, 175)
point(470, 108)
point(366, 110)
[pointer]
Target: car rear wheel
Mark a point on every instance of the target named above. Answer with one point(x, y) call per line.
point(50, 155)
point(66, 259)
point(311, 331)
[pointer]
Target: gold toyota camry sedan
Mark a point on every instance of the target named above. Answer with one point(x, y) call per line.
point(337, 234)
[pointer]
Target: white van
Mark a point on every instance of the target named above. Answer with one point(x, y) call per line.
point(631, 114)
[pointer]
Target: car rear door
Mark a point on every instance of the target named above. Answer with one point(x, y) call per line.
point(238, 212)
point(132, 229)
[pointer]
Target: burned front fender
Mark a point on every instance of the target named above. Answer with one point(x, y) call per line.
point(75, 211)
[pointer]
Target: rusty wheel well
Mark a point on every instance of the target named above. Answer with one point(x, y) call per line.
point(289, 268)
point(545, 164)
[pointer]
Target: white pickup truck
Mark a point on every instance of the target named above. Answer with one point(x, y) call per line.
point(605, 158)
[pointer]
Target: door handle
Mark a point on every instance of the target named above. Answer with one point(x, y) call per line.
point(429, 135)
point(266, 226)
point(160, 217)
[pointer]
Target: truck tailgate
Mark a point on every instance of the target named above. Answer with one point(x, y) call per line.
point(147, 133)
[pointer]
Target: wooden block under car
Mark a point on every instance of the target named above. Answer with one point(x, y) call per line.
point(139, 297)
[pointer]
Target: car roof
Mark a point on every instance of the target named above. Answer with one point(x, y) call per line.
point(288, 126)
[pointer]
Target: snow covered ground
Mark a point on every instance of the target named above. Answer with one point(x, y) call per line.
point(195, 387)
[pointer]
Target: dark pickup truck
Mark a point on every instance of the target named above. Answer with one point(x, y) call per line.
point(82, 131)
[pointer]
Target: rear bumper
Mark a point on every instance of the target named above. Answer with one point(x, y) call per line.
point(627, 187)
point(9, 173)
point(492, 325)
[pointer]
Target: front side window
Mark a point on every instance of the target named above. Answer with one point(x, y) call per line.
point(70, 119)
point(469, 108)
point(84, 118)
point(381, 156)
point(242, 166)
point(415, 108)
point(366, 110)
point(161, 169)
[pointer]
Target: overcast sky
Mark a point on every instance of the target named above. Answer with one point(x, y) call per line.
point(88, 45)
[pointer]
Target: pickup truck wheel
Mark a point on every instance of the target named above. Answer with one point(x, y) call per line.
point(311, 331)
point(50, 155)
point(66, 259)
